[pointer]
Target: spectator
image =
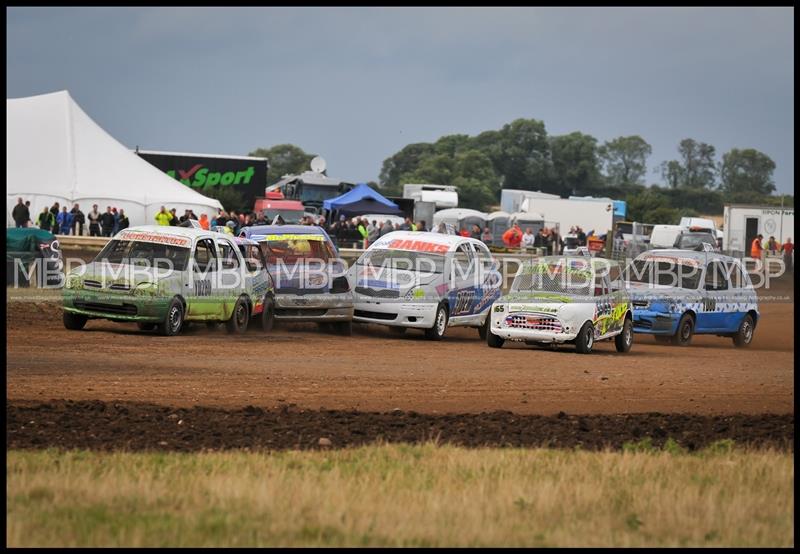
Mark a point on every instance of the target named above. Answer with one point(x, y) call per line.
point(64, 221)
point(386, 228)
point(581, 236)
point(374, 232)
point(184, 217)
point(422, 226)
point(487, 236)
point(528, 239)
point(78, 219)
point(163, 217)
point(107, 222)
point(463, 232)
point(555, 242)
point(513, 236)
point(45, 220)
point(441, 228)
point(21, 213)
point(204, 221)
point(94, 221)
point(540, 240)
point(55, 209)
point(406, 226)
point(174, 220)
point(116, 221)
point(788, 249)
point(191, 215)
point(773, 246)
point(756, 248)
point(122, 222)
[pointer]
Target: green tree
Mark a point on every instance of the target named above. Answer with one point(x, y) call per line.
point(625, 160)
point(284, 159)
point(522, 155)
point(576, 169)
point(696, 169)
point(405, 162)
point(747, 171)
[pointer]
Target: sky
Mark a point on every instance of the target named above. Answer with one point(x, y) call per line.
point(355, 85)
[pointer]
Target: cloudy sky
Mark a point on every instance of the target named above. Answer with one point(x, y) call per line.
point(357, 84)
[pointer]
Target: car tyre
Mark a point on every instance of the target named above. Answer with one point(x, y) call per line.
point(239, 318)
point(744, 336)
point(624, 340)
point(585, 339)
point(173, 321)
point(683, 336)
point(436, 332)
point(74, 322)
point(493, 340)
point(145, 326)
point(268, 316)
point(484, 329)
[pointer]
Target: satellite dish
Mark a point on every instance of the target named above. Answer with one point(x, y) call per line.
point(318, 164)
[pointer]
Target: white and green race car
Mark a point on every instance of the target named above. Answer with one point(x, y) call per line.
point(564, 299)
point(164, 277)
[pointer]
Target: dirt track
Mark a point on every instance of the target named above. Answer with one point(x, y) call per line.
point(376, 370)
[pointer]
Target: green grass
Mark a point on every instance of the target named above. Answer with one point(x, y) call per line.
point(401, 495)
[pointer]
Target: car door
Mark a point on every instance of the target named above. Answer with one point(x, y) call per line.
point(741, 296)
point(713, 313)
point(232, 279)
point(488, 281)
point(203, 302)
point(463, 273)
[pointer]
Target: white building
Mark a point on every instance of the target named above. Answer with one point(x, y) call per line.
point(743, 222)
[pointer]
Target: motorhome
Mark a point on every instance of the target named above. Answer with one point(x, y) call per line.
point(443, 196)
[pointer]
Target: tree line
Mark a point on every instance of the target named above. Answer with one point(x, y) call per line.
point(522, 155)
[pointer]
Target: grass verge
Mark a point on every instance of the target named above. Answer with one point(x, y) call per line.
point(401, 495)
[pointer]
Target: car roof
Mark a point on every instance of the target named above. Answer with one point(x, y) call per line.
point(191, 232)
point(284, 230)
point(451, 241)
point(594, 263)
point(687, 254)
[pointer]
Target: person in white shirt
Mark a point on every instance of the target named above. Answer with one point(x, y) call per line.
point(528, 238)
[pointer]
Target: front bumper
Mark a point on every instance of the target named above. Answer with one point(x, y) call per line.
point(531, 335)
point(656, 323)
point(123, 307)
point(314, 307)
point(417, 315)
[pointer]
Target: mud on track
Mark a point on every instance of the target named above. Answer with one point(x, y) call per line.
point(97, 425)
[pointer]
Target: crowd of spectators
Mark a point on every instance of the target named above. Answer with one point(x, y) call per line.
point(60, 220)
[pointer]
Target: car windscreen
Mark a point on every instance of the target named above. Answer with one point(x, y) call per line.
point(671, 273)
point(695, 241)
point(418, 262)
point(293, 248)
point(134, 252)
point(559, 277)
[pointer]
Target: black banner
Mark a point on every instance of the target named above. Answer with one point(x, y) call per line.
point(247, 176)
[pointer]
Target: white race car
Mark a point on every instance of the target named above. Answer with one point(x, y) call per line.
point(425, 281)
point(560, 299)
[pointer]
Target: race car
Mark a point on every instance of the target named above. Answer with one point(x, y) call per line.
point(680, 293)
point(425, 280)
point(309, 278)
point(165, 277)
point(564, 299)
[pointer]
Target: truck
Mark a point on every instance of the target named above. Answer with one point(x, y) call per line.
point(443, 196)
point(591, 214)
point(312, 187)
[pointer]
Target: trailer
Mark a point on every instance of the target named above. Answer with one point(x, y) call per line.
point(743, 222)
point(511, 199)
point(591, 214)
point(442, 196)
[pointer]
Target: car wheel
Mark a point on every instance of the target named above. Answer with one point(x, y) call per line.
point(624, 340)
point(173, 321)
point(343, 328)
point(239, 318)
point(268, 316)
point(585, 339)
point(145, 326)
point(744, 336)
point(683, 336)
point(74, 322)
point(484, 329)
point(439, 324)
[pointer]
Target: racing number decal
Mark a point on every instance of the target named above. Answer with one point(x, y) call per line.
point(202, 287)
point(709, 303)
point(464, 300)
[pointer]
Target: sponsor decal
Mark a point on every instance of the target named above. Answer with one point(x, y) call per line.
point(199, 176)
point(155, 237)
point(272, 238)
point(419, 246)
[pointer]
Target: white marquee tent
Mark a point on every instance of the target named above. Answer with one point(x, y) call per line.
point(56, 153)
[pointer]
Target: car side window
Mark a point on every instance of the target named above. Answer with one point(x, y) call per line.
point(600, 286)
point(205, 256)
point(716, 278)
point(464, 262)
point(484, 257)
point(228, 255)
point(252, 257)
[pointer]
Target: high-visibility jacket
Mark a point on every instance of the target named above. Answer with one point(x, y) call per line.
point(756, 249)
point(513, 237)
point(163, 218)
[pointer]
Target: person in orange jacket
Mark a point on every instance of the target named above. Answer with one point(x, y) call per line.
point(204, 223)
point(513, 237)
